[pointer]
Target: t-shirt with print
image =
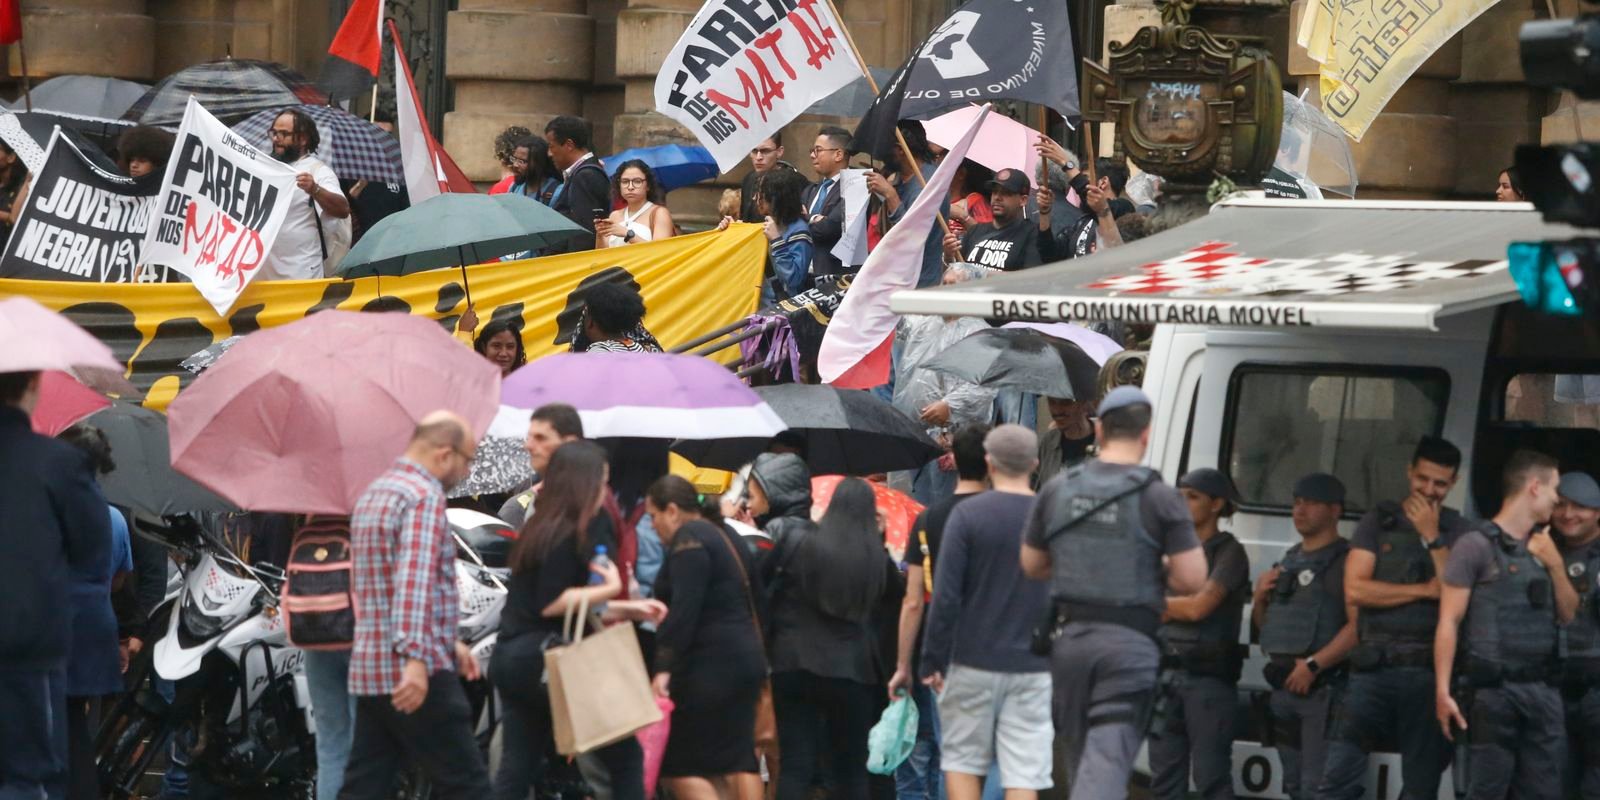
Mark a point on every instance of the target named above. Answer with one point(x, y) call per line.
point(1011, 247)
point(1162, 509)
point(297, 252)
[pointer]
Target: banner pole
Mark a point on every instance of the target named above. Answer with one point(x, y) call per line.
point(372, 115)
point(27, 88)
point(916, 170)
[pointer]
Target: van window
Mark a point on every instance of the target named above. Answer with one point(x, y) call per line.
point(1360, 425)
point(1554, 401)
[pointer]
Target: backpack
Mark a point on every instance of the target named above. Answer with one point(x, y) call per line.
point(334, 236)
point(318, 599)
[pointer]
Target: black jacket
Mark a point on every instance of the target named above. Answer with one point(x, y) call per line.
point(825, 234)
point(586, 191)
point(52, 516)
point(786, 480)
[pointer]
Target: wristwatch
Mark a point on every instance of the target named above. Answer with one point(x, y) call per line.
point(1313, 666)
point(1437, 543)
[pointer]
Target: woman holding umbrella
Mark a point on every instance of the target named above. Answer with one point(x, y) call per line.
point(644, 216)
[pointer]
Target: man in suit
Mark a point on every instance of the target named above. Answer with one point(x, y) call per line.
point(52, 518)
point(824, 206)
point(585, 192)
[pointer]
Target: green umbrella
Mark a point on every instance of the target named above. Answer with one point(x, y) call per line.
point(456, 230)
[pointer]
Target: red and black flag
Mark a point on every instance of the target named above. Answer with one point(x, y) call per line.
point(352, 64)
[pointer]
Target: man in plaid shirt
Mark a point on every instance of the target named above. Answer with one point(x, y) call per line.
point(410, 706)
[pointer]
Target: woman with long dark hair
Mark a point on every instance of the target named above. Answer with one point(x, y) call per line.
point(643, 217)
point(708, 652)
point(551, 564)
point(829, 581)
point(788, 232)
point(501, 342)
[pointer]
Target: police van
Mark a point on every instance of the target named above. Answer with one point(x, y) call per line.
point(1327, 336)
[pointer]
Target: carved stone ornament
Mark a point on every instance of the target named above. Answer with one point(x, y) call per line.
point(1187, 106)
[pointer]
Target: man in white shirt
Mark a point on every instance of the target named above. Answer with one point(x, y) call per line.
point(308, 230)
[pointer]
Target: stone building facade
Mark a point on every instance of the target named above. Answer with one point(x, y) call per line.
point(1447, 133)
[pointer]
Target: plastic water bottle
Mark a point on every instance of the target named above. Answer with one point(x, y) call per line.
point(600, 561)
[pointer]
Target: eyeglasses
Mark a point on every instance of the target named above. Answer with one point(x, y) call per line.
point(819, 150)
point(277, 134)
point(631, 182)
point(519, 162)
point(763, 151)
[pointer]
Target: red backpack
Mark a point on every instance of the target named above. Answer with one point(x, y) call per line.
point(318, 592)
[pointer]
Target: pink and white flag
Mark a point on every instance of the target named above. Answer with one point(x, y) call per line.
point(855, 349)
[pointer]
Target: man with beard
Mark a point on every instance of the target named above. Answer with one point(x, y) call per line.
point(1068, 441)
point(1008, 243)
point(315, 220)
point(1577, 520)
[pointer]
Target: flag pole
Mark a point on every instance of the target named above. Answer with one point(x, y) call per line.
point(872, 84)
point(27, 89)
point(372, 115)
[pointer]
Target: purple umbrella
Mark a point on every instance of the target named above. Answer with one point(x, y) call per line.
point(651, 395)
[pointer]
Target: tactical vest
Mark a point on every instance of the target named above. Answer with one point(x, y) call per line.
point(1511, 620)
point(1100, 552)
point(1210, 646)
point(1303, 615)
point(1583, 632)
point(1402, 558)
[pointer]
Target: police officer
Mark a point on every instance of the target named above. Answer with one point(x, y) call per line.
point(1307, 629)
point(1499, 578)
point(1201, 647)
point(1099, 532)
point(1391, 576)
point(1577, 520)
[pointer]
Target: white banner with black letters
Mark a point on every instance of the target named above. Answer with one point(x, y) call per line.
point(220, 208)
point(79, 222)
point(745, 68)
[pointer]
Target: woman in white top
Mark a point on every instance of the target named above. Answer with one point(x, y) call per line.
point(645, 217)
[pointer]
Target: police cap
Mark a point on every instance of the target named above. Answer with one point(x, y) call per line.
point(1578, 487)
point(1122, 397)
point(1319, 487)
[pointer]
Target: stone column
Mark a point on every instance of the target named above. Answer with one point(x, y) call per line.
point(513, 62)
point(1410, 151)
point(88, 37)
point(1494, 109)
point(189, 32)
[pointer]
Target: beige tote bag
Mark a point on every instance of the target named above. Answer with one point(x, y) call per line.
point(599, 692)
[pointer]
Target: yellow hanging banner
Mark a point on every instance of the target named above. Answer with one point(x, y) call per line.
point(691, 285)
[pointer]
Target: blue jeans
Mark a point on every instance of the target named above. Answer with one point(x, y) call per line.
point(333, 709)
point(929, 484)
point(919, 778)
point(175, 781)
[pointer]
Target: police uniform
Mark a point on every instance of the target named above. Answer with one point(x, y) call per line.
point(1204, 659)
point(1388, 701)
point(1580, 670)
point(1106, 528)
point(1305, 611)
point(1515, 721)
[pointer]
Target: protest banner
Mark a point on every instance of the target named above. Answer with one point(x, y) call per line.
point(221, 204)
point(1367, 52)
point(691, 285)
point(79, 223)
point(745, 68)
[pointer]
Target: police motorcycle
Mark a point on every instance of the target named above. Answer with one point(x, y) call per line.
point(238, 693)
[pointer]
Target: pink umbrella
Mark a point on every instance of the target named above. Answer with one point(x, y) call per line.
point(302, 417)
point(63, 402)
point(1002, 142)
point(38, 339)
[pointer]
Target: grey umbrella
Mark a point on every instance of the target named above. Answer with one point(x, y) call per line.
point(854, 98)
point(1022, 359)
point(144, 479)
point(84, 95)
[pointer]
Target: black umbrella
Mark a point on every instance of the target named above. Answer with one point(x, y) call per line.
point(144, 479)
point(1024, 359)
point(844, 432)
point(231, 89)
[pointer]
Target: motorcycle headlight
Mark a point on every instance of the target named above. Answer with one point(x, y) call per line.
point(200, 619)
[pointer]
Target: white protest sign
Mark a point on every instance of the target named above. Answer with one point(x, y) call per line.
point(219, 209)
point(745, 68)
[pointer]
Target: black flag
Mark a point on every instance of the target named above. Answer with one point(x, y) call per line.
point(987, 50)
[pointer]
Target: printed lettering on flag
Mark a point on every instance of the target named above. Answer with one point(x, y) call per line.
point(220, 208)
point(80, 223)
point(745, 68)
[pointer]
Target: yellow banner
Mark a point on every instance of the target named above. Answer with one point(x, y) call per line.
point(691, 286)
point(1368, 50)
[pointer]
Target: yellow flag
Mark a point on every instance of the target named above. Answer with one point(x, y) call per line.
point(1369, 48)
point(691, 286)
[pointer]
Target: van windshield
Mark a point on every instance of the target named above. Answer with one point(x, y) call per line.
point(1360, 425)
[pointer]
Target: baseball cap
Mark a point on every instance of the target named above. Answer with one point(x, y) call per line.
point(1320, 487)
point(1122, 397)
point(1208, 481)
point(1014, 181)
point(1580, 488)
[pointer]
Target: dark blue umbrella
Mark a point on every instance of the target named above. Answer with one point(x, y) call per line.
point(675, 165)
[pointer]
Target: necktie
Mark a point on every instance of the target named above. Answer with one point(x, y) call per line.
point(822, 196)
